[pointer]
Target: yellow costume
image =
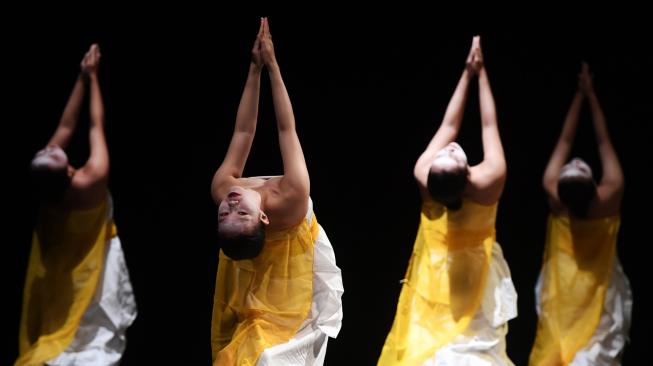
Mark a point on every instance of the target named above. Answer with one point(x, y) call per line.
point(445, 281)
point(579, 260)
point(263, 302)
point(66, 262)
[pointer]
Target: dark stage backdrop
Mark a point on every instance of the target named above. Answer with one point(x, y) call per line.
point(368, 94)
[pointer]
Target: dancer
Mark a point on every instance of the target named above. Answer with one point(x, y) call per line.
point(457, 296)
point(278, 289)
point(78, 301)
point(584, 300)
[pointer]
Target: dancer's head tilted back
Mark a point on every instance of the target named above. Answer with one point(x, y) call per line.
point(576, 187)
point(244, 203)
point(571, 187)
point(241, 223)
point(448, 176)
point(50, 173)
point(442, 172)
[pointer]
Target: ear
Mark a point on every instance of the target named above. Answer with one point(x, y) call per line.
point(264, 218)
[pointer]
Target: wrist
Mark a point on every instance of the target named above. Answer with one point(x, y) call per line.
point(468, 73)
point(589, 91)
point(482, 73)
point(273, 67)
point(84, 76)
point(254, 68)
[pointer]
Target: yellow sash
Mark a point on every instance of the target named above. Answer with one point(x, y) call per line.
point(577, 266)
point(262, 302)
point(444, 283)
point(66, 261)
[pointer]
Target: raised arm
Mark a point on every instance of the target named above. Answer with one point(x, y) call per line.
point(96, 168)
point(70, 116)
point(241, 141)
point(610, 189)
point(451, 122)
point(489, 176)
point(562, 149)
point(295, 181)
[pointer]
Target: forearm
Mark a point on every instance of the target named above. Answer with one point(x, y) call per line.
point(234, 161)
point(294, 165)
point(451, 122)
point(571, 120)
point(99, 154)
point(70, 114)
point(248, 108)
point(492, 147)
point(456, 107)
point(97, 138)
point(598, 119)
point(609, 160)
point(486, 100)
point(97, 105)
point(565, 141)
point(281, 100)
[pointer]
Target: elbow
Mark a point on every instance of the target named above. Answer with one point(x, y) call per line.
point(417, 172)
point(246, 131)
point(549, 181)
point(286, 127)
point(501, 171)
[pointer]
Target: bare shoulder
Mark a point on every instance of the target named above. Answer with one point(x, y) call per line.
point(606, 205)
point(86, 191)
point(485, 185)
point(285, 207)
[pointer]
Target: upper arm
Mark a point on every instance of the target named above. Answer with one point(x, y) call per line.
point(610, 189)
point(610, 198)
point(445, 134)
point(552, 171)
point(233, 164)
point(295, 173)
point(609, 194)
point(295, 180)
point(488, 177)
point(494, 160)
point(61, 136)
point(551, 188)
point(486, 182)
point(96, 167)
point(92, 179)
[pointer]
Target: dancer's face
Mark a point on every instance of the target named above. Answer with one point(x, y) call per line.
point(451, 157)
point(240, 212)
point(51, 157)
point(576, 168)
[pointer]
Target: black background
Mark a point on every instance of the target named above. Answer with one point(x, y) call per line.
point(368, 93)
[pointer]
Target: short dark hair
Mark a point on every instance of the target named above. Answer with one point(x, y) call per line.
point(577, 195)
point(49, 185)
point(447, 187)
point(244, 245)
